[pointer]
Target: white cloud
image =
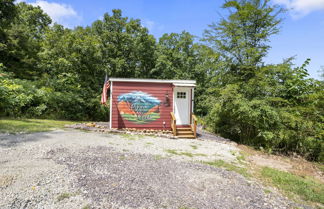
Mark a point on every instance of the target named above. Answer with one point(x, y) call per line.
point(152, 26)
point(149, 24)
point(61, 13)
point(300, 8)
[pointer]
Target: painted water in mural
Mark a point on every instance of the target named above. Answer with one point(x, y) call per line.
point(139, 107)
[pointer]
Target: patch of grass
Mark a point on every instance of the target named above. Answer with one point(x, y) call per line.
point(306, 188)
point(240, 158)
point(63, 196)
point(149, 143)
point(172, 151)
point(233, 152)
point(194, 147)
point(228, 166)
point(320, 166)
point(86, 207)
point(267, 191)
point(158, 157)
point(131, 137)
point(188, 154)
point(31, 125)
point(128, 136)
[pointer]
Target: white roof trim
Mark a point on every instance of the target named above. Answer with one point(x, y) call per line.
point(175, 82)
point(184, 84)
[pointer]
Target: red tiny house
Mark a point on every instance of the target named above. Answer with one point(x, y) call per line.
point(148, 103)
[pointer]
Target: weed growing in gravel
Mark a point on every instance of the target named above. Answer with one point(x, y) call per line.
point(194, 146)
point(233, 152)
point(158, 157)
point(239, 156)
point(188, 154)
point(63, 196)
point(86, 207)
point(149, 143)
point(307, 188)
point(320, 166)
point(131, 137)
point(228, 166)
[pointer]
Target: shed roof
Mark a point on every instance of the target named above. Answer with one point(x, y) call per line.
point(174, 82)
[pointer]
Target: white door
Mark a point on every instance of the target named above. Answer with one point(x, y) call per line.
point(182, 105)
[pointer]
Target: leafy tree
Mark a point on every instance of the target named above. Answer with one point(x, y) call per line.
point(243, 37)
point(23, 41)
point(126, 46)
point(273, 107)
point(176, 56)
point(71, 65)
point(179, 57)
point(7, 15)
point(7, 12)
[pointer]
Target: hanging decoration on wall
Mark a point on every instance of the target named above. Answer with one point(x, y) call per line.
point(166, 100)
point(139, 107)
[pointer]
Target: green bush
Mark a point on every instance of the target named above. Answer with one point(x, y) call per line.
point(23, 98)
point(261, 113)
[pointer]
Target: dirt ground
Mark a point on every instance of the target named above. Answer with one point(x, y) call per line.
point(297, 165)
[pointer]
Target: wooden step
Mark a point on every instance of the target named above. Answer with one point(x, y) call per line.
point(184, 132)
point(184, 129)
point(187, 136)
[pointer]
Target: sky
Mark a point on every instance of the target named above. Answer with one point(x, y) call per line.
point(301, 35)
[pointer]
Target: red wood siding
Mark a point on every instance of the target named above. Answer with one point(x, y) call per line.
point(156, 90)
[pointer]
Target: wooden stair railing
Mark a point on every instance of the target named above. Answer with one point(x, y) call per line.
point(184, 132)
point(173, 124)
point(194, 124)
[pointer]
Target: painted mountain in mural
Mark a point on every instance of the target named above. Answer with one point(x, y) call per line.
point(124, 108)
point(139, 107)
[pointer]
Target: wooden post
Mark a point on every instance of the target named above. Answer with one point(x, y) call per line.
point(194, 125)
point(173, 124)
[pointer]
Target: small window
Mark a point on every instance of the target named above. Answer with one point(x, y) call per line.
point(181, 95)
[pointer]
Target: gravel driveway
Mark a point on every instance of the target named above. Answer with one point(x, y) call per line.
point(74, 169)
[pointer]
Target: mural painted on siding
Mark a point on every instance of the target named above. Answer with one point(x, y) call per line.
point(139, 107)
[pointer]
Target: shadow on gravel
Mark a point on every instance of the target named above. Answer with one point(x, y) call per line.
point(11, 140)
